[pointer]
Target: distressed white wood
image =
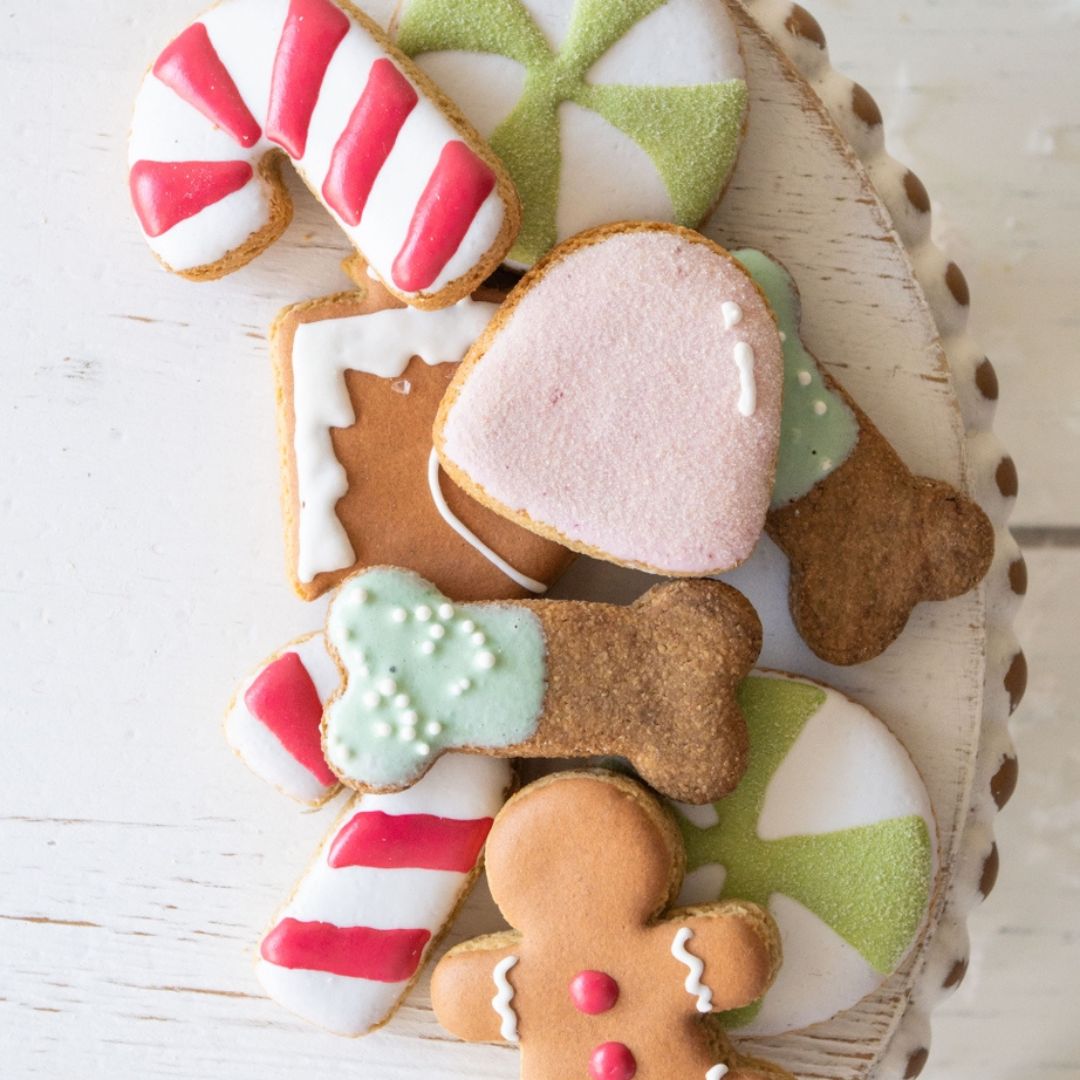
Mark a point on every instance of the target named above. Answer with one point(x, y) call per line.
point(143, 574)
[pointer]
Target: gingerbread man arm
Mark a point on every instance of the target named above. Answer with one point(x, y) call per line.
point(726, 955)
point(469, 989)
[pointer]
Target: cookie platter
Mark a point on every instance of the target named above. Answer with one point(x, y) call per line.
point(884, 312)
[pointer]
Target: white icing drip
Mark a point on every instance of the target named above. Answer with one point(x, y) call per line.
point(744, 360)
point(717, 1072)
point(501, 1001)
point(733, 314)
point(696, 968)
point(380, 344)
point(470, 537)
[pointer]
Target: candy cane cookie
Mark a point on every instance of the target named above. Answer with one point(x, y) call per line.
point(272, 723)
point(654, 682)
point(394, 162)
point(347, 946)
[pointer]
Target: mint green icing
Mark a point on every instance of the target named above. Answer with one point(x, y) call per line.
point(424, 675)
point(691, 133)
point(818, 428)
point(870, 884)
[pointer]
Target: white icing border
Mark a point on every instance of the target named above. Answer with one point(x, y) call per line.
point(949, 944)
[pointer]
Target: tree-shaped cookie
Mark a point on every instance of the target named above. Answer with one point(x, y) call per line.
point(598, 977)
point(601, 111)
point(831, 829)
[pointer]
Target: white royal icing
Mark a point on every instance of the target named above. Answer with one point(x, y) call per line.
point(503, 997)
point(459, 786)
point(733, 314)
point(842, 741)
point(257, 746)
point(470, 537)
point(696, 968)
point(380, 344)
point(744, 361)
point(717, 1072)
point(245, 35)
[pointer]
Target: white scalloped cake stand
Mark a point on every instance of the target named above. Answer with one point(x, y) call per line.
point(886, 311)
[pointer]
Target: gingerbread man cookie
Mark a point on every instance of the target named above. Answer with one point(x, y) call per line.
point(598, 978)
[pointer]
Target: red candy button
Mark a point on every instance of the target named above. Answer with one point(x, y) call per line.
point(612, 1061)
point(593, 992)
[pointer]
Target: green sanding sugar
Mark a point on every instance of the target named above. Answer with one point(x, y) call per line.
point(691, 133)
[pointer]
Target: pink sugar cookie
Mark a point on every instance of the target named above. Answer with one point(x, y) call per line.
point(625, 401)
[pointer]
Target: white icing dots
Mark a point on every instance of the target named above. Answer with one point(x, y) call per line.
point(467, 626)
point(485, 660)
point(805, 378)
point(438, 631)
point(744, 361)
point(422, 749)
point(381, 729)
point(820, 408)
point(401, 701)
point(399, 615)
point(409, 718)
point(386, 686)
point(427, 648)
point(423, 613)
point(446, 612)
point(478, 639)
point(371, 699)
point(433, 727)
point(358, 597)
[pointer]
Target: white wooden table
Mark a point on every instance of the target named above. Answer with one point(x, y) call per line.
point(119, 630)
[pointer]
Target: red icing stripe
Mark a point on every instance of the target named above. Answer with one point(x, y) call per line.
point(367, 140)
point(313, 31)
point(412, 841)
point(168, 192)
point(284, 698)
point(191, 67)
point(359, 952)
point(456, 191)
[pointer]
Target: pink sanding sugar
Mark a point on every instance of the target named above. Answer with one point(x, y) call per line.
point(608, 406)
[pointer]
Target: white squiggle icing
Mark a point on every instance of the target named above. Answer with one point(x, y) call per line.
point(696, 968)
point(744, 360)
point(717, 1072)
point(380, 344)
point(501, 1001)
point(470, 537)
point(733, 314)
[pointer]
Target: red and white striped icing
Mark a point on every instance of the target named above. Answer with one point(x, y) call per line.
point(251, 76)
point(343, 950)
point(273, 723)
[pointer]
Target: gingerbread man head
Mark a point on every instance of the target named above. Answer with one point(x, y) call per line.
point(598, 978)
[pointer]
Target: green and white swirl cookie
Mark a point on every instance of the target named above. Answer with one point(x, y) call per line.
point(601, 111)
point(832, 830)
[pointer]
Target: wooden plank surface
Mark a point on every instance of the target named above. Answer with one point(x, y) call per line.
point(128, 566)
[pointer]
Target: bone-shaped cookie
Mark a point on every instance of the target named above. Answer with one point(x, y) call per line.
point(867, 540)
point(429, 205)
point(597, 977)
point(653, 682)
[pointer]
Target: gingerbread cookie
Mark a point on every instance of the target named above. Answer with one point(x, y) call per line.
point(360, 377)
point(601, 112)
point(597, 977)
point(625, 401)
point(345, 949)
point(429, 205)
point(653, 682)
point(831, 829)
point(867, 540)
